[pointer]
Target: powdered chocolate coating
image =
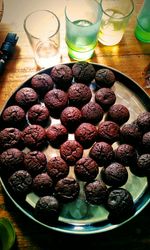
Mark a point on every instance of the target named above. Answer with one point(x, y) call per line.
point(96, 192)
point(118, 113)
point(35, 162)
point(143, 121)
point(102, 153)
point(57, 168)
point(56, 134)
point(34, 136)
point(71, 151)
point(20, 183)
point(13, 116)
point(105, 78)
point(114, 175)
point(126, 154)
point(62, 76)
point(86, 134)
point(42, 83)
point(92, 112)
point(47, 209)
point(42, 184)
point(10, 137)
point(79, 94)
point(26, 97)
point(71, 118)
point(105, 97)
point(67, 189)
point(38, 114)
point(86, 169)
point(108, 131)
point(83, 72)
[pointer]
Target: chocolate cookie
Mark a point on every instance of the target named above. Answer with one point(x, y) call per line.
point(26, 97)
point(79, 94)
point(86, 169)
point(118, 113)
point(142, 167)
point(114, 175)
point(108, 131)
point(105, 78)
point(56, 100)
point(130, 134)
point(13, 116)
point(38, 114)
point(102, 153)
point(20, 183)
point(42, 83)
point(126, 154)
point(67, 189)
point(105, 97)
point(96, 192)
point(71, 118)
point(35, 162)
point(34, 136)
point(83, 72)
point(42, 184)
point(86, 134)
point(57, 168)
point(146, 142)
point(56, 135)
point(71, 151)
point(10, 137)
point(143, 121)
point(92, 112)
point(62, 76)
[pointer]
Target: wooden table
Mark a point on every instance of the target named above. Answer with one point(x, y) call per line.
point(130, 57)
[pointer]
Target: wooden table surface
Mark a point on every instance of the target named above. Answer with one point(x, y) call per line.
point(130, 57)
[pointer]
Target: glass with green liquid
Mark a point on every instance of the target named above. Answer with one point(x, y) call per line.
point(83, 19)
point(142, 30)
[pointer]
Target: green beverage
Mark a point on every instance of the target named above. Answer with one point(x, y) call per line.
point(81, 43)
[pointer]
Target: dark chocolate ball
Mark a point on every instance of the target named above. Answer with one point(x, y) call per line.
point(105, 78)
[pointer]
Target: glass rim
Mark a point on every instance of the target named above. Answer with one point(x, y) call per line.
point(75, 20)
point(36, 11)
point(119, 18)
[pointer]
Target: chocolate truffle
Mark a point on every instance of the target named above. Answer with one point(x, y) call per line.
point(108, 131)
point(20, 183)
point(10, 137)
point(57, 168)
point(11, 160)
point(26, 97)
point(83, 72)
point(35, 162)
point(13, 116)
point(114, 175)
point(86, 169)
point(130, 134)
point(143, 121)
point(102, 153)
point(62, 76)
point(38, 114)
point(71, 151)
point(42, 184)
point(126, 154)
point(92, 112)
point(71, 118)
point(56, 135)
point(105, 97)
point(120, 205)
point(142, 168)
point(118, 113)
point(56, 100)
point(86, 134)
point(47, 209)
point(79, 94)
point(146, 142)
point(67, 189)
point(105, 78)
point(42, 83)
point(96, 192)
point(34, 136)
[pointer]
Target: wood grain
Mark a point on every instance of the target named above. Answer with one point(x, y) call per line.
point(130, 57)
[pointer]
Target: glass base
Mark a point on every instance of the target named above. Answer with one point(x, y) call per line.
point(142, 35)
point(80, 56)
